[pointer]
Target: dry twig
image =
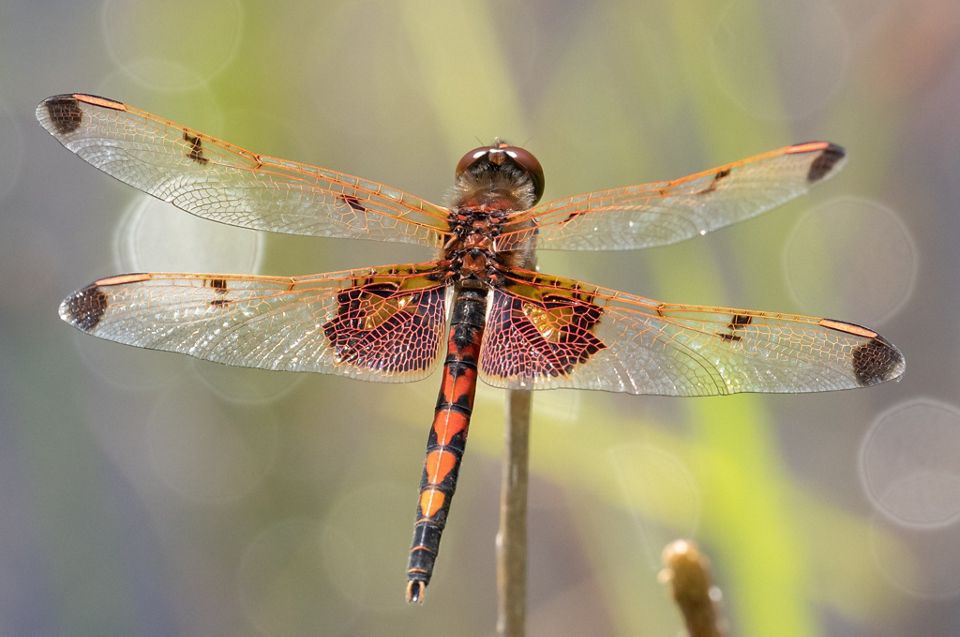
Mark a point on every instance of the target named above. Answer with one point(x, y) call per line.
point(512, 535)
point(687, 571)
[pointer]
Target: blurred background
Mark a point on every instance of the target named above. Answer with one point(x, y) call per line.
point(148, 493)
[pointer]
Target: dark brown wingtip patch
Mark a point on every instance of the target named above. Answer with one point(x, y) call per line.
point(825, 162)
point(64, 113)
point(85, 307)
point(877, 361)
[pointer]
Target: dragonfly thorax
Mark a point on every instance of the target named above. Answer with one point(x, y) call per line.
point(471, 252)
point(493, 183)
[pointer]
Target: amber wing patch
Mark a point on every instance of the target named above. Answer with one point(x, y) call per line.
point(545, 333)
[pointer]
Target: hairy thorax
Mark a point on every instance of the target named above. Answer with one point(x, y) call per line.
point(476, 221)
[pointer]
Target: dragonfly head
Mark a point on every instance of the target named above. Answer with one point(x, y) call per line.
point(505, 165)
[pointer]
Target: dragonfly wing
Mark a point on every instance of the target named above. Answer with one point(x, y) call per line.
point(665, 212)
point(549, 332)
point(380, 324)
point(218, 180)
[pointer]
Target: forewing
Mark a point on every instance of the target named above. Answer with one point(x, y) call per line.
point(217, 180)
point(381, 324)
point(549, 332)
point(665, 212)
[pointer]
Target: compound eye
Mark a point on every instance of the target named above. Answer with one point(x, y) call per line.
point(500, 152)
point(474, 155)
point(525, 159)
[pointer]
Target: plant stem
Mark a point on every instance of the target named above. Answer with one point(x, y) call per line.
point(512, 535)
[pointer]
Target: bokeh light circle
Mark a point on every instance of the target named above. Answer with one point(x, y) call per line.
point(923, 563)
point(657, 485)
point(206, 450)
point(260, 129)
point(126, 367)
point(155, 236)
point(360, 92)
point(910, 464)
point(851, 258)
point(278, 579)
point(175, 45)
point(768, 71)
point(363, 571)
point(246, 386)
point(197, 107)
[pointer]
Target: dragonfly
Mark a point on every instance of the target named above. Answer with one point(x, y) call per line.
point(504, 322)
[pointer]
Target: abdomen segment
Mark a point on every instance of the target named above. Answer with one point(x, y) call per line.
point(448, 437)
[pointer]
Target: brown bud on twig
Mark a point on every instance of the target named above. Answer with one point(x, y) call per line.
point(687, 571)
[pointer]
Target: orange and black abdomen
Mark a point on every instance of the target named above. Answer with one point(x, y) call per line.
point(448, 437)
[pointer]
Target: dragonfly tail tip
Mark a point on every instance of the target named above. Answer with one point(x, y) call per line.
point(416, 591)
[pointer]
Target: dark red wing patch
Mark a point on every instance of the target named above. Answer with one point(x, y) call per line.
point(380, 327)
point(547, 333)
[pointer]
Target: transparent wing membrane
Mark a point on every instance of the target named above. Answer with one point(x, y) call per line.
point(220, 181)
point(665, 212)
point(549, 332)
point(381, 324)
